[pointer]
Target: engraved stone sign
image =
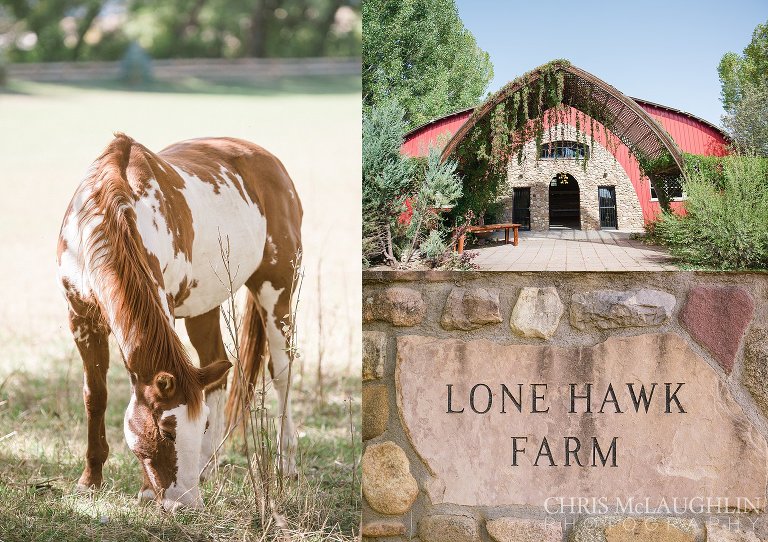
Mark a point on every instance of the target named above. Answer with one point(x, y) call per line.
point(640, 417)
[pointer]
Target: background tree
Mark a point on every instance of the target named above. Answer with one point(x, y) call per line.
point(47, 29)
point(51, 30)
point(744, 81)
point(418, 53)
point(747, 124)
point(248, 28)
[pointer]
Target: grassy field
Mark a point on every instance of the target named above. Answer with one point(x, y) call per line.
point(49, 135)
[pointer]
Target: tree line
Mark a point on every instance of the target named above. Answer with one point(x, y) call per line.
point(60, 30)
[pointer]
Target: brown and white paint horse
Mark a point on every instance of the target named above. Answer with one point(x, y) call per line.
point(139, 247)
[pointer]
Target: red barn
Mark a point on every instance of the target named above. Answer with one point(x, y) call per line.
point(554, 189)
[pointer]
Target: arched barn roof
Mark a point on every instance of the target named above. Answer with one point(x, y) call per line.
point(691, 133)
point(583, 91)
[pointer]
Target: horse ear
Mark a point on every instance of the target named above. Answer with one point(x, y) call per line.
point(211, 374)
point(165, 383)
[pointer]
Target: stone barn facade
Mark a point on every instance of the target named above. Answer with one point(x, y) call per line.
point(585, 176)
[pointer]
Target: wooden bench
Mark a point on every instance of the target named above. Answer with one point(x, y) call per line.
point(489, 228)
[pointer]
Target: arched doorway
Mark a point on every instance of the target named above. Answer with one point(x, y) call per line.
point(564, 204)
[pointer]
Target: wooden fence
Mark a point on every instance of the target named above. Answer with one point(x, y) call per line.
point(242, 69)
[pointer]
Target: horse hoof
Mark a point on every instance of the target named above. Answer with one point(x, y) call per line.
point(173, 507)
point(85, 489)
point(146, 495)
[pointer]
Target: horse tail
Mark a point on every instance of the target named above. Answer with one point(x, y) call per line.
point(253, 351)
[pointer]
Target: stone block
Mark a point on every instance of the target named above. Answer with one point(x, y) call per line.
point(388, 485)
point(470, 308)
point(756, 367)
point(397, 305)
point(524, 530)
point(375, 410)
point(537, 312)
point(730, 533)
point(634, 529)
point(374, 354)
point(448, 528)
point(383, 528)
point(717, 317)
point(611, 309)
point(684, 444)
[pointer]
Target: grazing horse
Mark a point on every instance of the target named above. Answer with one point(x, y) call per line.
point(142, 244)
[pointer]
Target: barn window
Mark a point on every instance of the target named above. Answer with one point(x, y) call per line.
point(564, 149)
point(673, 187)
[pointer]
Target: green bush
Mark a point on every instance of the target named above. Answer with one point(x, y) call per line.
point(460, 262)
point(707, 167)
point(387, 178)
point(439, 186)
point(726, 220)
point(433, 247)
point(401, 194)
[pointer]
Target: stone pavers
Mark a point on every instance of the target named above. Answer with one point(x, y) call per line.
point(573, 250)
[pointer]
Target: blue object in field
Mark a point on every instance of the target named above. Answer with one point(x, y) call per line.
point(136, 65)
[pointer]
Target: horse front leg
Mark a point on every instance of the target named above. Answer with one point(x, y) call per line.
point(91, 338)
point(276, 304)
point(204, 333)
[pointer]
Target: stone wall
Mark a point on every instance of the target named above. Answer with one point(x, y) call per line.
point(602, 170)
point(448, 478)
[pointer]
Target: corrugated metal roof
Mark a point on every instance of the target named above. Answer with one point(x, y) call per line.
point(640, 101)
point(681, 112)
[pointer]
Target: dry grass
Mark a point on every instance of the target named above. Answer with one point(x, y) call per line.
point(50, 134)
point(41, 460)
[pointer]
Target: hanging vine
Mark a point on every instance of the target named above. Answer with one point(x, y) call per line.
point(517, 115)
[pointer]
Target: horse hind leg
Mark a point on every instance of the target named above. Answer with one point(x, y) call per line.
point(205, 335)
point(91, 337)
point(274, 299)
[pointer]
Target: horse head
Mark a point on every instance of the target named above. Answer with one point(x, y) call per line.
point(164, 426)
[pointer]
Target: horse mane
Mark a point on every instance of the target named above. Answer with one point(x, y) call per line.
point(118, 265)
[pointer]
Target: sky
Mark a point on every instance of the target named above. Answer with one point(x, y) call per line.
point(661, 51)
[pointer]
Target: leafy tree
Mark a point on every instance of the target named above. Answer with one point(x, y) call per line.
point(747, 124)
point(418, 53)
point(400, 193)
point(739, 72)
point(57, 28)
point(246, 28)
point(53, 30)
point(744, 82)
point(433, 247)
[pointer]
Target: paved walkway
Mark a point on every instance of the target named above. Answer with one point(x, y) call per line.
point(573, 250)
